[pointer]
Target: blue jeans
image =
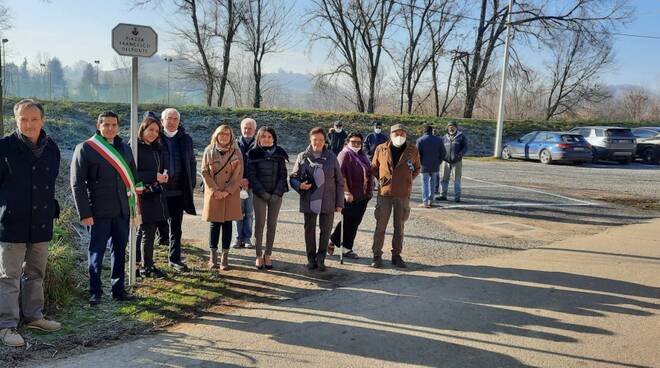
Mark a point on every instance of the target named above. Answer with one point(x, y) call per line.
point(447, 169)
point(429, 182)
point(102, 230)
point(244, 228)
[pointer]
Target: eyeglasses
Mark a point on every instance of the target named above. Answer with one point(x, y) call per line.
point(225, 134)
point(355, 143)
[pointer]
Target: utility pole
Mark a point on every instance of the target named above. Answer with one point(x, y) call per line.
point(169, 61)
point(98, 86)
point(500, 110)
point(3, 61)
point(50, 82)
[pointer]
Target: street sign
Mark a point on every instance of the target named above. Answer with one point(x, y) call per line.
point(134, 40)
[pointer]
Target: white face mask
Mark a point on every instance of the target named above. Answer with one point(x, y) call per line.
point(377, 130)
point(355, 149)
point(170, 134)
point(338, 130)
point(398, 141)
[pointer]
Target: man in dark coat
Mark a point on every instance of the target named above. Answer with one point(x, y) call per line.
point(29, 164)
point(179, 189)
point(102, 201)
point(374, 139)
point(431, 153)
point(337, 138)
point(456, 146)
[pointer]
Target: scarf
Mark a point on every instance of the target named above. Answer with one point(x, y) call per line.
point(316, 164)
point(37, 149)
point(170, 135)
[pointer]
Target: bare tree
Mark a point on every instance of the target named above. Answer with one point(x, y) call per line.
point(533, 19)
point(356, 29)
point(417, 51)
point(573, 78)
point(5, 17)
point(196, 40)
point(227, 17)
point(636, 102)
point(265, 26)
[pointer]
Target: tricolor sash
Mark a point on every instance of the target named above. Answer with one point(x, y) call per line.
point(116, 160)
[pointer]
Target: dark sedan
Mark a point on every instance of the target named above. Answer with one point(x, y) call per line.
point(548, 147)
point(648, 144)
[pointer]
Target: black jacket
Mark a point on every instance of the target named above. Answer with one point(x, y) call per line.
point(372, 141)
point(97, 187)
point(336, 140)
point(27, 191)
point(245, 145)
point(151, 161)
point(189, 162)
point(268, 173)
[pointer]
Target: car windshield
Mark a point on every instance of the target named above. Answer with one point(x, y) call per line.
point(619, 133)
point(572, 138)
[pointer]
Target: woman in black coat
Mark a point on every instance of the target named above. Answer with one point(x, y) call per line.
point(152, 172)
point(267, 175)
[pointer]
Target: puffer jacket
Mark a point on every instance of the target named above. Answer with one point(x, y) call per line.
point(267, 172)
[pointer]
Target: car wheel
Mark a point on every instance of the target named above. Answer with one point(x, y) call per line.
point(506, 153)
point(625, 162)
point(578, 163)
point(648, 156)
point(545, 157)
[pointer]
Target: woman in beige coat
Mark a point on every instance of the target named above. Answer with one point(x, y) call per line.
point(222, 169)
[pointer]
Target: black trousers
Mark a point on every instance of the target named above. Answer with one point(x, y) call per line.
point(352, 216)
point(325, 224)
point(214, 234)
point(146, 236)
point(171, 229)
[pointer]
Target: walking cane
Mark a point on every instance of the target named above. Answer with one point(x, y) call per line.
point(341, 241)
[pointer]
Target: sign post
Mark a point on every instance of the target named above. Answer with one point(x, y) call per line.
point(134, 41)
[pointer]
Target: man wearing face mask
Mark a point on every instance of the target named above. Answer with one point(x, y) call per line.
point(455, 147)
point(374, 140)
point(395, 165)
point(336, 138)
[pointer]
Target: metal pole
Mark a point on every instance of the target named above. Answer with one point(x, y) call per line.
point(50, 85)
point(500, 109)
point(133, 142)
point(168, 81)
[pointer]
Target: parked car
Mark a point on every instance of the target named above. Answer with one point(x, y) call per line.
point(549, 147)
point(609, 143)
point(648, 143)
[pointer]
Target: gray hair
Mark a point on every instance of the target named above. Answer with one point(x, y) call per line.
point(27, 103)
point(167, 111)
point(249, 121)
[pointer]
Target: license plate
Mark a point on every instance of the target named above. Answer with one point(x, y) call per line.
point(622, 153)
point(579, 149)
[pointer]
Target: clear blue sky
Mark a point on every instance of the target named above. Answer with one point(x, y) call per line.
point(76, 30)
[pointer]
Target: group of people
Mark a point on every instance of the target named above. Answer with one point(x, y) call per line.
point(245, 178)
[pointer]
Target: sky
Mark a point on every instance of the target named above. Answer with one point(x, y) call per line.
point(75, 30)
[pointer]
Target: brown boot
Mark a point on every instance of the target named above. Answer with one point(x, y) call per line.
point(213, 258)
point(224, 260)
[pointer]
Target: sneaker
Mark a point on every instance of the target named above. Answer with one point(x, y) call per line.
point(153, 272)
point(237, 245)
point(441, 198)
point(422, 205)
point(248, 245)
point(95, 299)
point(11, 338)
point(123, 297)
point(179, 266)
point(397, 261)
point(457, 199)
point(377, 262)
point(45, 325)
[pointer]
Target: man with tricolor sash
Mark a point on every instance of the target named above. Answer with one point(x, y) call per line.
point(106, 196)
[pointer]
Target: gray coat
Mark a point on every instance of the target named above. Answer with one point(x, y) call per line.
point(97, 187)
point(455, 147)
point(332, 194)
